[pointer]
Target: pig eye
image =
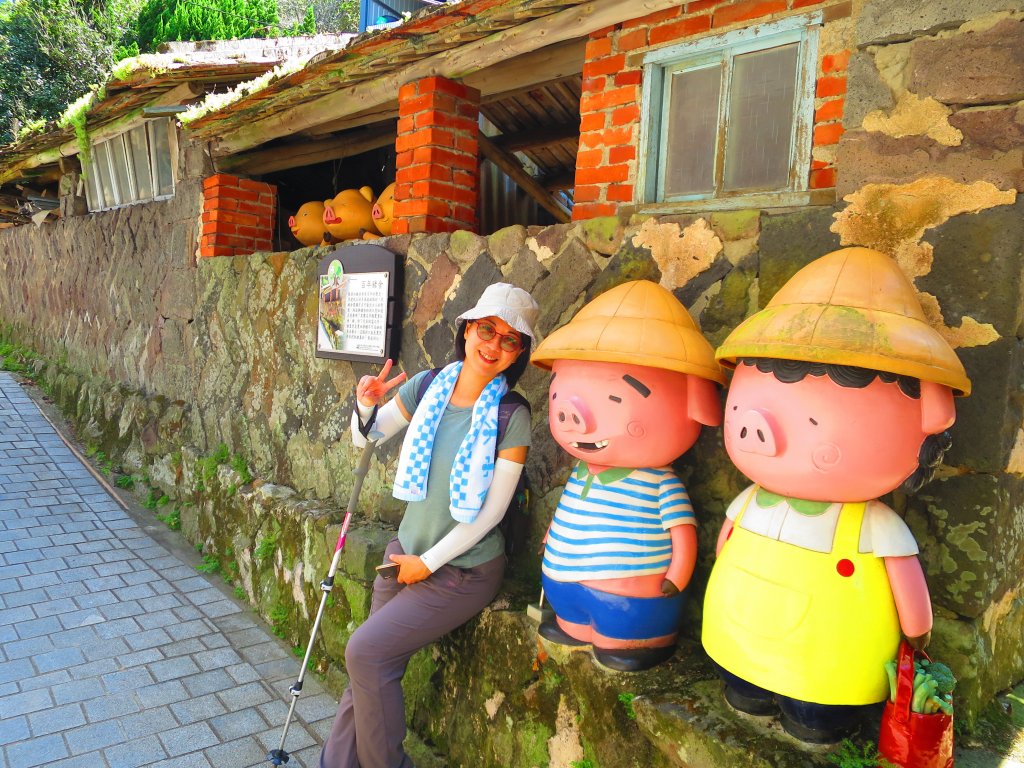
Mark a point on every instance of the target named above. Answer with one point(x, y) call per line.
point(615, 399)
point(735, 407)
point(554, 395)
point(813, 422)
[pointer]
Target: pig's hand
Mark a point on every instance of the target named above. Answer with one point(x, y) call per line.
point(920, 642)
point(668, 589)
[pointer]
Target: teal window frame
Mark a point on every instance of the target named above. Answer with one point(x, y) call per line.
point(720, 50)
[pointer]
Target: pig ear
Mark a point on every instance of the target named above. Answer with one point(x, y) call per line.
point(367, 192)
point(937, 410)
point(702, 403)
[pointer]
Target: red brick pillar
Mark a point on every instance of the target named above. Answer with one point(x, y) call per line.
point(238, 216)
point(437, 166)
point(830, 100)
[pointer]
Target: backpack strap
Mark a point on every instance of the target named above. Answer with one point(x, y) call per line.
point(425, 382)
point(510, 402)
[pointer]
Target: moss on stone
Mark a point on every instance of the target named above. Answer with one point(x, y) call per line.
point(736, 225)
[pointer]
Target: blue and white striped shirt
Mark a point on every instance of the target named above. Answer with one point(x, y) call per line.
point(615, 524)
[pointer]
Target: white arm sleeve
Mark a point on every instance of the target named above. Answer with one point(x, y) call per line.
point(465, 535)
point(389, 421)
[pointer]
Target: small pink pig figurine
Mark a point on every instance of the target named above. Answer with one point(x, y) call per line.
point(842, 392)
point(633, 382)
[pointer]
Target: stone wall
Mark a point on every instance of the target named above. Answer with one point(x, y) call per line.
point(248, 380)
point(159, 361)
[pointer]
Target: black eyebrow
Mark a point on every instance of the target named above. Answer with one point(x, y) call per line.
point(615, 399)
point(638, 386)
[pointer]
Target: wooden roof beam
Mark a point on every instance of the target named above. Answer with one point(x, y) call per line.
point(553, 63)
point(574, 23)
point(537, 137)
point(309, 152)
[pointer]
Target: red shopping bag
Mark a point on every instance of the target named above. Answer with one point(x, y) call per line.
point(910, 739)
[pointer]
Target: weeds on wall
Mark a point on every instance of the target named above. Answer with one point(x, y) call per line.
point(626, 700)
point(851, 755)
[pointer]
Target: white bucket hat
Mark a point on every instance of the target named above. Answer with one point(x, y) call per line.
point(513, 305)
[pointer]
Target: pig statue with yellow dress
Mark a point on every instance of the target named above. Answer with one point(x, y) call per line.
point(842, 392)
point(349, 214)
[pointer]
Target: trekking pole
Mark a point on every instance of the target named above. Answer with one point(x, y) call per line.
point(279, 756)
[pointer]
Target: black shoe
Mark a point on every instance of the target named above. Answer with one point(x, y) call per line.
point(633, 659)
point(810, 734)
point(550, 630)
point(751, 705)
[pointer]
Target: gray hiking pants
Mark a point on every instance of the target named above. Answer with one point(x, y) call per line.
point(370, 725)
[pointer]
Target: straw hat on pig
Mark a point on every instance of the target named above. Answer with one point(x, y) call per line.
point(852, 307)
point(637, 322)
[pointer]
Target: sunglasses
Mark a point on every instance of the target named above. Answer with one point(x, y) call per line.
point(509, 343)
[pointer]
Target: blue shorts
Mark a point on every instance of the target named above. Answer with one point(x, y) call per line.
point(616, 616)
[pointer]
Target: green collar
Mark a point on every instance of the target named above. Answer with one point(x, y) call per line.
point(766, 498)
point(605, 478)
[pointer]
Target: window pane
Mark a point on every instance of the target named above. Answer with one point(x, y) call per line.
point(160, 149)
point(119, 162)
point(692, 116)
point(94, 191)
point(761, 117)
point(102, 157)
point(140, 163)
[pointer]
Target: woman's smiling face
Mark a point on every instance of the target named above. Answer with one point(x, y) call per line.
point(489, 357)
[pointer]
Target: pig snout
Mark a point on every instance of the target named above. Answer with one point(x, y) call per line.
point(291, 221)
point(329, 217)
point(573, 415)
point(377, 213)
point(752, 433)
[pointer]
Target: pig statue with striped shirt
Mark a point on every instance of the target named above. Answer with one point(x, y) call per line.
point(633, 382)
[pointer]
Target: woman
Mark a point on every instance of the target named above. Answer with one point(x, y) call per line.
point(458, 478)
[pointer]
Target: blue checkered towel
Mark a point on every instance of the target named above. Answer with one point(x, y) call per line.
point(474, 463)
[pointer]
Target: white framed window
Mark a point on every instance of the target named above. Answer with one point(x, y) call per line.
point(133, 167)
point(728, 120)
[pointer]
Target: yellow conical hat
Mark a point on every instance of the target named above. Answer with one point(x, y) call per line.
point(638, 322)
point(853, 306)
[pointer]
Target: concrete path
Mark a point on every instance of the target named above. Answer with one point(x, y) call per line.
point(114, 651)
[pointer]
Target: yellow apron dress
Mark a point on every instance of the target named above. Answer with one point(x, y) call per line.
point(812, 626)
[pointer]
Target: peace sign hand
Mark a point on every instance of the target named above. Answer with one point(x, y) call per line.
point(371, 389)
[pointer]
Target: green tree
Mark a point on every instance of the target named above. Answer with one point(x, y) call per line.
point(331, 15)
point(50, 53)
point(161, 21)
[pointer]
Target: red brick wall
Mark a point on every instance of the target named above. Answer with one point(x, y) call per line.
point(238, 216)
point(437, 170)
point(607, 163)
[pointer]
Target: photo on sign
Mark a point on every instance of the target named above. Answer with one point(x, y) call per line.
point(353, 312)
point(331, 328)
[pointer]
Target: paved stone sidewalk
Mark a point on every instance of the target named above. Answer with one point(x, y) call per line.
point(114, 651)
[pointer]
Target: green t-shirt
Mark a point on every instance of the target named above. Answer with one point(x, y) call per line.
point(427, 522)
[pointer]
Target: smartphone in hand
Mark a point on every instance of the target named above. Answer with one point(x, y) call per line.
point(387, 570)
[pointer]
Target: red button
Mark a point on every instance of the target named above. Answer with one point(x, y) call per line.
point(844, 567)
